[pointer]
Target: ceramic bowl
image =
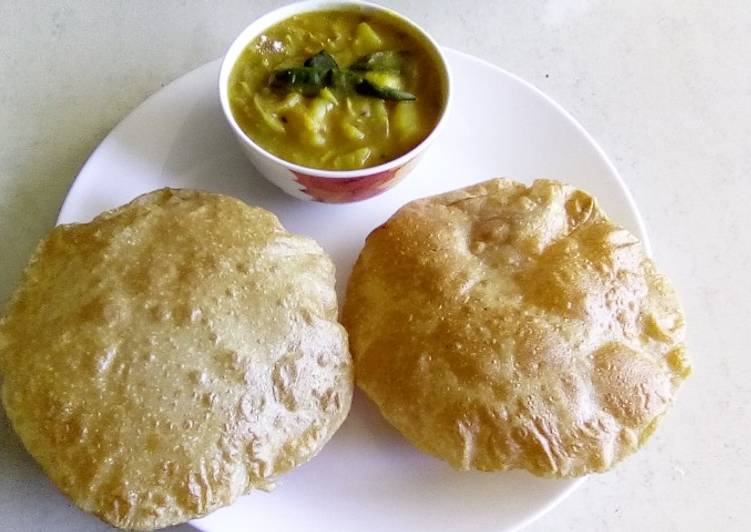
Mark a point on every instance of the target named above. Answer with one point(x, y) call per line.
point(313, 184)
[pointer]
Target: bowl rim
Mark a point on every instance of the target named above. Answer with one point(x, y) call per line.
point(252, 30)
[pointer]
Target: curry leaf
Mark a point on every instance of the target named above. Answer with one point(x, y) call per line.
point(322, 60)
point(306, 80)
point(368, 88)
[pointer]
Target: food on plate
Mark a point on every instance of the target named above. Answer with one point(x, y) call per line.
point(504, 326)
point(340, 89)
point(173, 354)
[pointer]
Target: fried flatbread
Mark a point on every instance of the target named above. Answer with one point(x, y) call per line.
point(504, 326)
point(173, 354)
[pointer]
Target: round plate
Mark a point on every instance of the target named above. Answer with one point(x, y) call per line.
point(368, 477)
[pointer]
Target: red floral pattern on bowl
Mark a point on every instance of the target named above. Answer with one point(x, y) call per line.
point(348, 189)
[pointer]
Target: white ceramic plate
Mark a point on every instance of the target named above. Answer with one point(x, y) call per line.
point(368, 477)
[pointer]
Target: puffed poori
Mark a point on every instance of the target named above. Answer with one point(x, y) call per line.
point(504, 326)
point(173, 354)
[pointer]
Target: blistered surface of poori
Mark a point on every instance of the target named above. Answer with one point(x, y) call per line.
point(504, 326)
point(173, 354)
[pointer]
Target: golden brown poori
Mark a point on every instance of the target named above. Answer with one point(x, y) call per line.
point(173, 354)
point(509, 326)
